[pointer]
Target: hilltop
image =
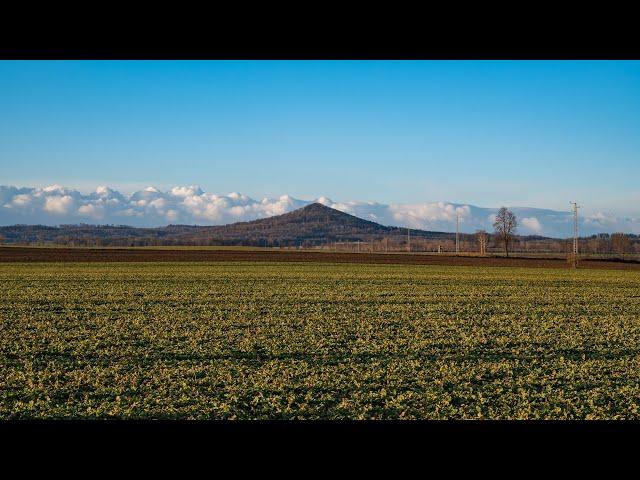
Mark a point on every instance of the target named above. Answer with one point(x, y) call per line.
point(314, 224)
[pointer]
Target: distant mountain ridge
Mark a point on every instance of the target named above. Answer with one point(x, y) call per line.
point(191, 205)
point(314, 224)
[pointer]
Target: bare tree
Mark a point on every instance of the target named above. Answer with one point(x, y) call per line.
point(620, 243)
point(505, 226)
point(482, 237)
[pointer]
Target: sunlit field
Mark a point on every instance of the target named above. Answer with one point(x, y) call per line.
point(317, 341)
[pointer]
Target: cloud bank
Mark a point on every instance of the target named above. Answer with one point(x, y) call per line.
point(55, 205)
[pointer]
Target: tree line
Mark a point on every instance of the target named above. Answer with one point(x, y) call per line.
point(323, 229)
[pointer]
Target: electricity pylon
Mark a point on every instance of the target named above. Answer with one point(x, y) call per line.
point(574, 255)
point(457, 232)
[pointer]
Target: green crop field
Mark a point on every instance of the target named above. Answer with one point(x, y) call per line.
point(317, 341)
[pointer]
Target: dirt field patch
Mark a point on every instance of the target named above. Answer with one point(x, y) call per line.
point(34, 254)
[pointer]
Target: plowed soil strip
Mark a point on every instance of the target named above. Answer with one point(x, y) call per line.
point(34, 254)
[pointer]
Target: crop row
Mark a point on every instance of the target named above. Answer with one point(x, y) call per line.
point(317, 341)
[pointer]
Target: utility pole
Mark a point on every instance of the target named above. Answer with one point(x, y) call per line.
point(457, 232)
point(408, 240)
point(574, 259)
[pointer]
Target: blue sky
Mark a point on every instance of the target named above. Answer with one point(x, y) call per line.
point(488, 133)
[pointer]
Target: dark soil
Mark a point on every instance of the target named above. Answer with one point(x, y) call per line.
point(34, 254)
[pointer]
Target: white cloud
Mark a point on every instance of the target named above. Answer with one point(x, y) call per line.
point(150, 206)
point(21, 200)
point(532, 224)
point(58, 204)
point(102, 190)
point(54, 188)
point(91, 210)
point(186, 191)
point(172, 215)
